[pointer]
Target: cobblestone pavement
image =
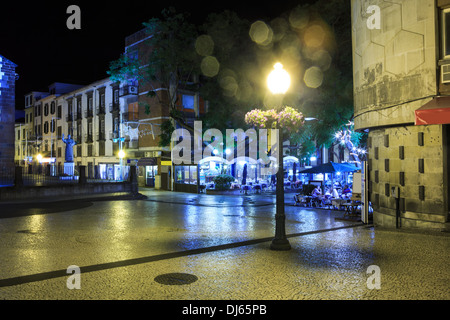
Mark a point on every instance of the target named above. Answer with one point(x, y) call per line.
point(217, 247)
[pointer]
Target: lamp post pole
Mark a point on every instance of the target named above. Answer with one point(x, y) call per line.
point(278, 83)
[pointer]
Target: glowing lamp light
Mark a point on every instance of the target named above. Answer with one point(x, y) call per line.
point(313, 159)
point(121, 154)
point(39, 157)
point(215, 152)
point(278, 80)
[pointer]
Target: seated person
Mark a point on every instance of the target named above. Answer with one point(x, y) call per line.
point(347, 192)
point(316, 192)
point(335, 194)
point(328, 193)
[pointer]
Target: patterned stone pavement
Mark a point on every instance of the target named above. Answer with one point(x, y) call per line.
point(216, 248)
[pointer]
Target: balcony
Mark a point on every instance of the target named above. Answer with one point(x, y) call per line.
point(100, 110)
point(130, 116)
point(114, 107)
point(113, 135)
point(128, 91)
point(88, 138)
point(88, 113)
point(133, 144)
point(100, 136)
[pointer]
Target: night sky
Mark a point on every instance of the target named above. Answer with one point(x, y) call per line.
point(35, 37)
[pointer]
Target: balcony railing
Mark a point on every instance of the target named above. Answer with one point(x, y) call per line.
point(100, 110)
point(88, 113)
point(114, 107)
point(88, 138)
point(130, 116)
point(100, 136)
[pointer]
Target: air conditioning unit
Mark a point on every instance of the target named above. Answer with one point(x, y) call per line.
point(133, 89)
point(445, 73)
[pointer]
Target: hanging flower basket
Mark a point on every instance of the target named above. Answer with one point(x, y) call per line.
point(288, 118)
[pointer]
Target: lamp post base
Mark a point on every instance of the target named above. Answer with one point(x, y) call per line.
point(280, 245)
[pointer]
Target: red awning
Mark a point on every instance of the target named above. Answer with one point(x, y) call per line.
point(436, 111)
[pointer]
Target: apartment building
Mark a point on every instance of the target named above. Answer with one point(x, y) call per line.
point(155, 166)
point(96, 116)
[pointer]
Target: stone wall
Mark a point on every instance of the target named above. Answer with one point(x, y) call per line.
point(7, 114)
point(411, 158)
point(394, 67)
point(69, 190)
point(395, 73)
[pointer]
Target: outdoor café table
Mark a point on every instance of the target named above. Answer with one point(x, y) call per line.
point(337, 203)
point(257, 188)
point(351, 207)
point(246, 188)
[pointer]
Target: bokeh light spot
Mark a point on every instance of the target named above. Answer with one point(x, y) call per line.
point(210, 66)
point(204, 45)
point(313, 77)
point(261, 33)
point(314, 36)
point(299, 18)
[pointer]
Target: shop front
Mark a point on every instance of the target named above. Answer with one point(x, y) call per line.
point(148, 170)
point(186, 178)
point(113, 171)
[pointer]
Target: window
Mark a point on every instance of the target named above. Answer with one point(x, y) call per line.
point(188, 102)
point(52, 108)
point(59, 112)
point(102, 100)
point(52, 126)
point(186, 174)
point(116, 96)
point(446, 33)
point(46, 109)
point(46, 127)
point(90, 103)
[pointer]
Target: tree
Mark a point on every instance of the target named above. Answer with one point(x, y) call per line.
point(232, 91)
point(170, 63)
point(318, 38)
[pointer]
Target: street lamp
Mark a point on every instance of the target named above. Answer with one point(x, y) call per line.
point(121, 155)
point(278, 82)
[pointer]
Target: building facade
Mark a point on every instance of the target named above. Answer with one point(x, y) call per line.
point(399, 54)
point(147, 114)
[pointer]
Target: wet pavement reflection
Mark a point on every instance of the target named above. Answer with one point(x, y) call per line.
point(189, 233)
